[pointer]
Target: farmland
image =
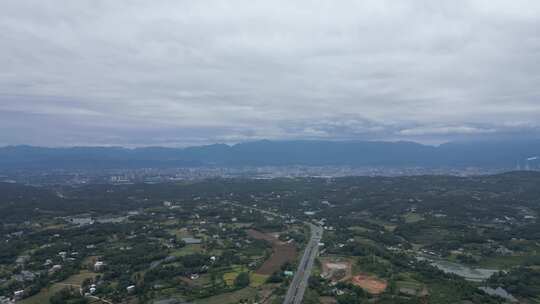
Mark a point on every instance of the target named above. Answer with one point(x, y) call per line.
point(281, 253)
point(74, 281)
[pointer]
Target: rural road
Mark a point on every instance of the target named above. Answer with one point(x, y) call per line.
point(300, 280)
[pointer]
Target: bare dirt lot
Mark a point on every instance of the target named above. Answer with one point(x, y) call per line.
point(327, 300)
point(261, 236)
point(281, 252)
point(336, 268)
point(370, 284)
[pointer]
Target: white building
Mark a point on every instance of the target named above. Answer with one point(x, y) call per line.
point(18, 295)
point(130, 289)
point(99, 265)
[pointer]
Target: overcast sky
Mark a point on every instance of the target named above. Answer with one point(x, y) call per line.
point(176, 73)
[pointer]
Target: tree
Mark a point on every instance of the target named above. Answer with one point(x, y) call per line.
point(348, 298)
point(242, 280)
point(276, 277)
point(67, 296)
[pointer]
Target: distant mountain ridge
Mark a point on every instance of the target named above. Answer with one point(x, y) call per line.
point(279, 153)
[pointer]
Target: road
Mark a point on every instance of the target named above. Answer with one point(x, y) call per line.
point(296, 291)
point(300, 279)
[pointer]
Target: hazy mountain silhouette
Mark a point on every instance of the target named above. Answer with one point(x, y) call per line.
point(502, 153)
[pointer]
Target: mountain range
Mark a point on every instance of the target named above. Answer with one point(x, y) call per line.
point(494, 153)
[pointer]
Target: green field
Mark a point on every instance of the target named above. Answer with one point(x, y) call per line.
point(412, 217)
point(179, 233)
point(257, 280)
point(387, 226)
point(413, 285)
point(45, 294)
point(230, 276)
point(230, 297)
point(359, 229)
point(188, 249)
point(502, 262)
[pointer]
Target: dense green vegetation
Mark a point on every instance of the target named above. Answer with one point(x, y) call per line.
point(190, 241)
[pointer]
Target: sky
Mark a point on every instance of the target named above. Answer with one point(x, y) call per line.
point(181, 73)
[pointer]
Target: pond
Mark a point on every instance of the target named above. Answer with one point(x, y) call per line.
point(469, 273)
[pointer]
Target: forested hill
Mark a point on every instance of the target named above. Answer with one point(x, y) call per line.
point(259, 153)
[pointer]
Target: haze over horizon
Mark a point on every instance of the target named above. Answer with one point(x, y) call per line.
point(169, 73)
point(477, 141)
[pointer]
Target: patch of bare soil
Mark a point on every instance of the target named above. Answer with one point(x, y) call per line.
point(281, 252)
point(370, 284)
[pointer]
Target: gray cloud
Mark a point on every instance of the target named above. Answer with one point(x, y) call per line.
point(193, 72)
point(445, 130)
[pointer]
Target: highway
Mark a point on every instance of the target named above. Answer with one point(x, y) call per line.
point(300, 280)
point(298, 286)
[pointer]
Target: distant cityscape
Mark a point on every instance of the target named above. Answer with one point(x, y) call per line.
point(160, 175)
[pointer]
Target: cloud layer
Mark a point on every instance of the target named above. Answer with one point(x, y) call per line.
point(193, 72)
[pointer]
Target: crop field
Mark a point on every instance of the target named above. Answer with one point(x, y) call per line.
point(261, 236)
point(256, 279)
point(229, 277)
point(188, 249)
point(281, 253)
point(412, 217)
point(230, 297)
point(411, 288)
point(45, 294)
